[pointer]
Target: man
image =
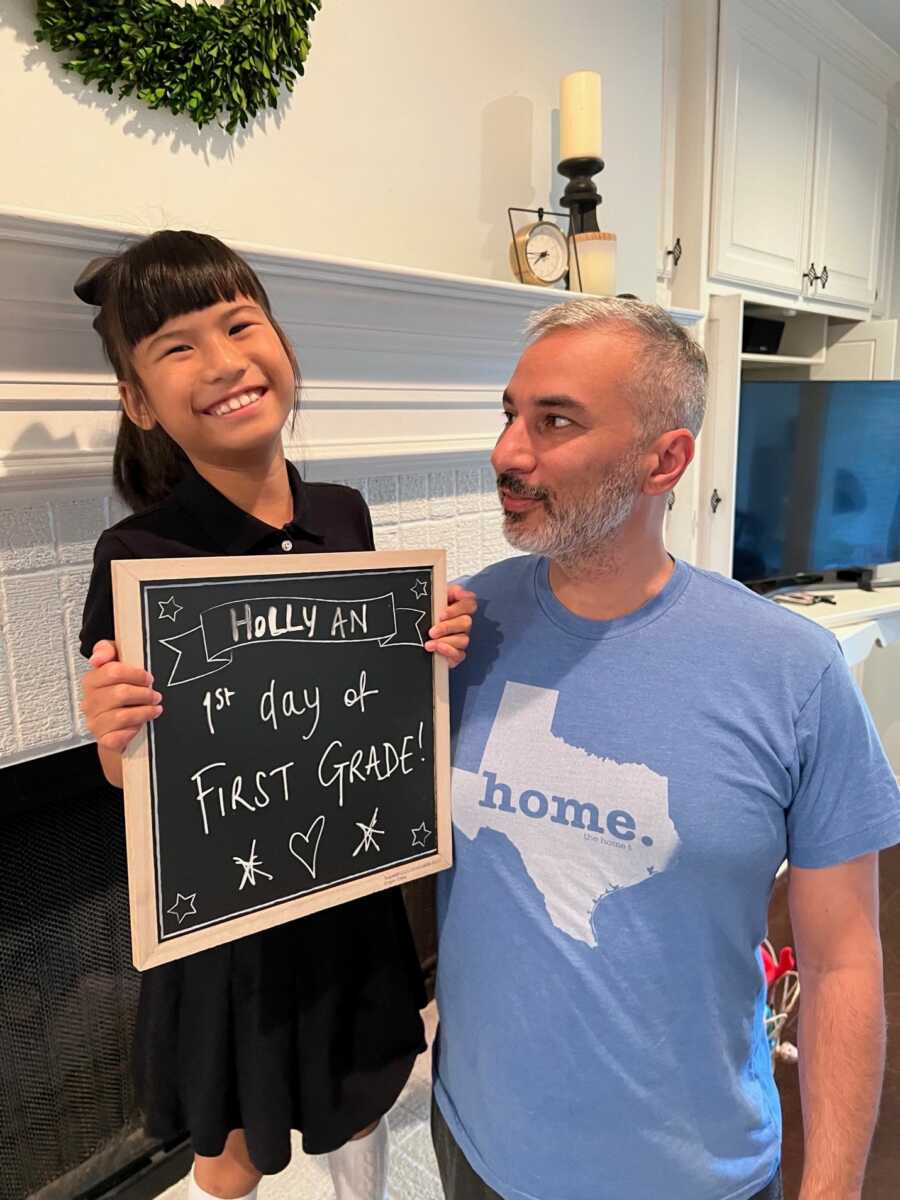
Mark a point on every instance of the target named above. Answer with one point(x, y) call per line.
point(638, 745)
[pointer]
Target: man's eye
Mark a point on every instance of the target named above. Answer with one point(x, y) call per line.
point(508, 418)
point(556, 422)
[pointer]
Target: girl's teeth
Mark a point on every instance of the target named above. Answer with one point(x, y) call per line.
point(235, 403)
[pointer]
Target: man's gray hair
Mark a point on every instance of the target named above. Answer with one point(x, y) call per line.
point(668, 387)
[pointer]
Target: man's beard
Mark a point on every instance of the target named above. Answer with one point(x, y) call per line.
point(578, 531)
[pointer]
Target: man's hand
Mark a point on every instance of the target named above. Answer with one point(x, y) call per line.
point(450, 636)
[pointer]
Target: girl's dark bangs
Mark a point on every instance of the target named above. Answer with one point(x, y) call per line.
point(172, 273)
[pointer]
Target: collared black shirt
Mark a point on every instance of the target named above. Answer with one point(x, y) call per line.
point(196, 520)
point(310, 1025)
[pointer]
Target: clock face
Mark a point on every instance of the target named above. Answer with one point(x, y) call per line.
point(546, 252)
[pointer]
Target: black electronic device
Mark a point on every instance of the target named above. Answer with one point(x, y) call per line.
point(818, 481)
point(761, 335)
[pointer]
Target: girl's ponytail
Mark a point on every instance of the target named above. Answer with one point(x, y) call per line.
point(147, 464)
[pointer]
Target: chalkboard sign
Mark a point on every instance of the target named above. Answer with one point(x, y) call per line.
point(302, 756)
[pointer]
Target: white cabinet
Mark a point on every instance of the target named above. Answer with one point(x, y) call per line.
point(851, 143)
point(866, 350)
point(765, 153)
point(798, 167)
point(887, 256)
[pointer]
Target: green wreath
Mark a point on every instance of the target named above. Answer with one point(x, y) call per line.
point(210, 63)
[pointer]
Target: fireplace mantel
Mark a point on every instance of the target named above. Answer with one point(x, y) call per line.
point(398, 364)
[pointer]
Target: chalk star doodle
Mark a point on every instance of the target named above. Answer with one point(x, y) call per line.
point(420, 831)
point(180, 913)
point(420, 584)
point(169, 609)
point(251, 867)
point(368, 834)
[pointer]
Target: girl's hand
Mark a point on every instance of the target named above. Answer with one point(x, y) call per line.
point(450, 637)
point(116, 700)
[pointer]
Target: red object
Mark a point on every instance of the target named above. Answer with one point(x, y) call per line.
point(774, 970)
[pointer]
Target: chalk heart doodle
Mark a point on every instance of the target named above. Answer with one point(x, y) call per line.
point(225, 628)
point(308, 844)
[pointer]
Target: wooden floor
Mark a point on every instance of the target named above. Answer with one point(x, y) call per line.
point(883, 1175)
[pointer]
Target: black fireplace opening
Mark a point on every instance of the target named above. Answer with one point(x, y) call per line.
point(69, 1125)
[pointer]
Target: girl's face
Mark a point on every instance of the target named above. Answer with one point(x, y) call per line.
point(218, 380)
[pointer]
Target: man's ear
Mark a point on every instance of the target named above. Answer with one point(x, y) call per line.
point(674, 451)
point(135, 406)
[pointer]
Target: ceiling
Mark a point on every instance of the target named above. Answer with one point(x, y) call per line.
point(881, 16)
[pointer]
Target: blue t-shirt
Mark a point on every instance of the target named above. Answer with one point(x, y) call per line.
point(623, 794)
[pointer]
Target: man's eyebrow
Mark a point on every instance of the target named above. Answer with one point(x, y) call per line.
point(552, 401)
point(561, 401)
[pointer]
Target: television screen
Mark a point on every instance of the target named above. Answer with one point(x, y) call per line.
point(818, 478)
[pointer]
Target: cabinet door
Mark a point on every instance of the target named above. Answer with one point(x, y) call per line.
point(765, 131)
point(717, 447)
point(851, 143)
point(859, 351)
point(888, 245)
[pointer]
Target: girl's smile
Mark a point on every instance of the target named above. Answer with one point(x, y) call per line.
point(236, 403)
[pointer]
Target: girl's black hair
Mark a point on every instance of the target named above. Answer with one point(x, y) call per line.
point(165, 275)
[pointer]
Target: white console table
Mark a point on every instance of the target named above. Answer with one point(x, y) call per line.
point(858, 619)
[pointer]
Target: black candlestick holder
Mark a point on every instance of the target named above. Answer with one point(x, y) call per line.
point(581, 196)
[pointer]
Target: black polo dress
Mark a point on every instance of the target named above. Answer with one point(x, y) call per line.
point(313, 1025)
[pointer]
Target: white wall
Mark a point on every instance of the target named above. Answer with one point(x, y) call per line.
point(418, 122)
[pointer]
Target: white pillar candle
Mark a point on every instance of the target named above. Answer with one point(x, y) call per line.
point(581, 116)
point(595, 264)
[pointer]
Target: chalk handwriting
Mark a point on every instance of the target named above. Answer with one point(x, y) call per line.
point(287, 705)
point(356, 622)
point(354, 696)
point(219, 699)
point(249, 627)
point(231, 798)
point(378, 761)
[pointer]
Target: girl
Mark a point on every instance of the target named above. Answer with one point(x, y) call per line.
point(313, 1025)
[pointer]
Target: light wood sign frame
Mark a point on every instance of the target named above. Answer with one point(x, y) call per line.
point(139, 585)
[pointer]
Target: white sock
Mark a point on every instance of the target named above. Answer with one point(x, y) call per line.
point(196, 1192)
point(359, 1169)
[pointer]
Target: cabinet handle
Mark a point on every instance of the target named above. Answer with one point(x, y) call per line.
point(675, 253)
point(823, 278)
point(715, 499)
point(810, 276)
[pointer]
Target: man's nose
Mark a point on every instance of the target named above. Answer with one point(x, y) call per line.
point(514, 451)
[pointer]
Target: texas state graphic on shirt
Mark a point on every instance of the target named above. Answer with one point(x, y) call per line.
point(584, 826)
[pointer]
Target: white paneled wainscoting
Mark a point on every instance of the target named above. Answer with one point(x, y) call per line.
point(403, 375)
